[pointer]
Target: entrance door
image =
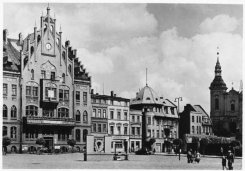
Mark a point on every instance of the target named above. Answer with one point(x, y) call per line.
point(49, 142)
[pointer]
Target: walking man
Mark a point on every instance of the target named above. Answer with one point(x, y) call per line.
point(230, 159)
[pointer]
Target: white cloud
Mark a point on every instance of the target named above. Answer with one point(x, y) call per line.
point(220, 23)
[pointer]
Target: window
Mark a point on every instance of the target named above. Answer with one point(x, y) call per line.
point(166, 109)
point(138, 130)
point(172, 110)
point(119, 130)
point(43, 74)
point(193, 130)
point(50, 93)
point(112, 130)
point(104, 113)
point(104, 128)
point(94, 127)
point(38, 38)
point(5, 111)
point(85, 116)
point(99, 113)
point(158, 122)
point(63, 55)
point(52, 76)
point(138, 119)
point(85, 133)
point(78, 116)
point(28, 90)
point(149, 120)
point(63, 113)
point(14, 90)
point(13, 112)
point(69, 68)
point(5, 131)
point(232, 105)
point(197, 129)
point(112, 114)
point(66, 95)
point(78, 96)
point(48, 113)
point(78, 135)
point(133, 130)
point(125, 116)
point(84, 97)
point(193, 119)
point(5, 89)
point(133, 118)
point(94, 113)
point(153, 133)
point(125, 130)
point(197, 119)
point(216, 102)
point(31, 110)
point(200, 119)
point(13, 132)
point(148, 133)
point(63, 78)
point(200, 130)
point(61, 94)
point(32, 74)
point(158, 134)
point(99, 128)
point(118, 115)
point(35, 91)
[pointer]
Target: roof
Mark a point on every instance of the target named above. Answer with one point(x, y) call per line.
point(107, 97)
point(146, 96)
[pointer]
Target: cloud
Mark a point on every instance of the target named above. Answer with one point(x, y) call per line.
point(220, 23)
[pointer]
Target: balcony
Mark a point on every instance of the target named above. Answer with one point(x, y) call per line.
point(49, 91)
point(35, 120)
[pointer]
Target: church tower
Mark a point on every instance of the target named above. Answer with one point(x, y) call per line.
point(217, 94)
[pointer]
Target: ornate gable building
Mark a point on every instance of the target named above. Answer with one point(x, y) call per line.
point(226, 107)
point(46, 91)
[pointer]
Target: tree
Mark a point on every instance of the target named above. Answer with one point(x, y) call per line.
point(40, 141)
point(203, 144)
point(71, 142)
point(6, 142)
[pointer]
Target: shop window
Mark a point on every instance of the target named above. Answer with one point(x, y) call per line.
point(63, 113)
point(31, 110)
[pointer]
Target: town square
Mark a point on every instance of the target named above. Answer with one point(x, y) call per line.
point(122, 86)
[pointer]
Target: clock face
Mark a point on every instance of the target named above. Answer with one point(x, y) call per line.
point(48, 46)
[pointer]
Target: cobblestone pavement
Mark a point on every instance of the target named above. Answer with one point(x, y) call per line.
point(75, 161)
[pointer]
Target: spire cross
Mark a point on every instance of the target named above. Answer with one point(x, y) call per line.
point(146, 76)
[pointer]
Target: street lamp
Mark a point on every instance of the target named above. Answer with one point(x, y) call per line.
point(178, 99)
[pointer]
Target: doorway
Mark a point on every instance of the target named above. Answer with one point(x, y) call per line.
point(49, 142)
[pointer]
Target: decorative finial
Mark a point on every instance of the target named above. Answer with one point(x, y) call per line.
point(48, 9)
point(146, 77)
point(60, 29)
point(217, 53)
point(232, 85)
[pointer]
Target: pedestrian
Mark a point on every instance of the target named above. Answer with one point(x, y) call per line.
point(230, 159)
point(224, 162)
point(188, 156)
point(198, 157)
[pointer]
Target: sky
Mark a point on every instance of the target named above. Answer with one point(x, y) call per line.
point(177, 43)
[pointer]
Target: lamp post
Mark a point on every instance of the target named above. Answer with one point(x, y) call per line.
point(178, 99)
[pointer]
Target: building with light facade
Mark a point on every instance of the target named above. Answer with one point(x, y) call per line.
point(46, 91)
point(159, 118)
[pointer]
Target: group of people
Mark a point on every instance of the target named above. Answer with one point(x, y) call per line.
point(193, 157)
point(229, 158)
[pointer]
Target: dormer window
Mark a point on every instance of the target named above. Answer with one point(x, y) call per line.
point(148, 98)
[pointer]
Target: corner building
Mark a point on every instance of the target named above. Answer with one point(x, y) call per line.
point(46, 90)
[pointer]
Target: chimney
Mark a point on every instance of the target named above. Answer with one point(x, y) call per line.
point(92, 91)
point(115, 95)
point(112, 93)
point(5, 35)
point(67, 44)
point(75, 53)
point(20, 38)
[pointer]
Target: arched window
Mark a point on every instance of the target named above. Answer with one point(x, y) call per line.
point(5, 131)
point(78, 116)
point(32, 74)
point(13, 132)
point(32, 50)
point(63, 113)
point(69, 68)
point(85, 116)
point(5, 111)
point(58, 42)
point(25, 60)
point(78, 135)
point(51, 28)
point(148, 98)
point(13, 112)
point(38, 38)
point(64, 55)
point(216, 102)
point(232, 105)
point(63, 78)
point(85, 133)
point(31, 110)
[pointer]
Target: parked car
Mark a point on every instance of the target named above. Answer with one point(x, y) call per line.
point(143, 151)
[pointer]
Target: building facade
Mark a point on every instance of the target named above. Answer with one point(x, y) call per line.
point(46, 90)
point(195, 121)
point(159, 118)
point(226, 107)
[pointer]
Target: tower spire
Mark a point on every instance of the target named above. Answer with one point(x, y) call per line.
point(48, 9)
point(146, 77)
